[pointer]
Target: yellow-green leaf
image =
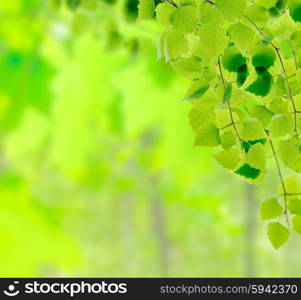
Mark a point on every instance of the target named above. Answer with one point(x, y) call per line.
point(229, 159)
point(252, 130)
point(278, 234)
point(297, 223)
point(281, 125)
point(256, 156)
point(231, 10)
point(270, 209)
point(146, 9)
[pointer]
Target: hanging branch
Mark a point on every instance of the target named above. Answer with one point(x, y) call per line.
point(282, 66)
point(283, 70)
point(285, 194)
point(228, 102)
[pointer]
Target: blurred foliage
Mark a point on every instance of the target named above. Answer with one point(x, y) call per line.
point(98, 173)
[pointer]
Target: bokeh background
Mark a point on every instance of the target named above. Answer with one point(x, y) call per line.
point(98, 173)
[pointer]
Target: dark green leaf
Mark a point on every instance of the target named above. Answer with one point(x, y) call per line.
point(248, 172)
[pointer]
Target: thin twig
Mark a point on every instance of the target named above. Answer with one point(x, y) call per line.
point(228, 102)
point(281, 180)
point(294, 55)
point(228, 125)
point(172, 3)
point(283, 70)
point(211, 2)
point(289, 91)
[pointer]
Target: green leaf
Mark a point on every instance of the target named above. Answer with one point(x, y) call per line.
point(263, 114)
point(146, 9)
point(242, 75)
point(197, 89)
point(175, 44)
point(231, 10)
point(258, 14)
point(294, 206)
point(240, 98)
point(208, 136)
point(278, 234)
point(262, 85)
point(184, 19)
point(248, 172)
point(281, 125)
point(282, 27)
point(263, 57)
point(290, 154)
point(297, 223)
point(252, 130)
point(295, 10)
point(198, 119)
point(247, 144)
point(266, 3)
point(209, 14)
point(232, 59)
point(213, 39)
point(163, 12)
point(241, 35)
point(256, 157)
point(223, 118)
point(228, 139)
point(206, 102)
point(270, 209)
point(292, 187)
point(229, 159)
point(189, 67)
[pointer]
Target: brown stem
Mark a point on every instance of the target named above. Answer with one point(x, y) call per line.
point(172, 3)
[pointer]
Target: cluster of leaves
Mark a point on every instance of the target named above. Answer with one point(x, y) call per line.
point(242, 59)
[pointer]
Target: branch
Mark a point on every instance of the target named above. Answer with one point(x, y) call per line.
point(282, 66)
point(173, 3)
point(294, 55)
point(289, 90)
point(285, 194)
point(229, 104)
point(211, 2)
point(283, 70)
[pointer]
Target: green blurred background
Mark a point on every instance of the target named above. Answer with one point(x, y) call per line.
point(98, 173)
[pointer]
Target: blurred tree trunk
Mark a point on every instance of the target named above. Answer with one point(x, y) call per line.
point(159, 225)
point(250, 229)
point(127, 231)
point(292, 257)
